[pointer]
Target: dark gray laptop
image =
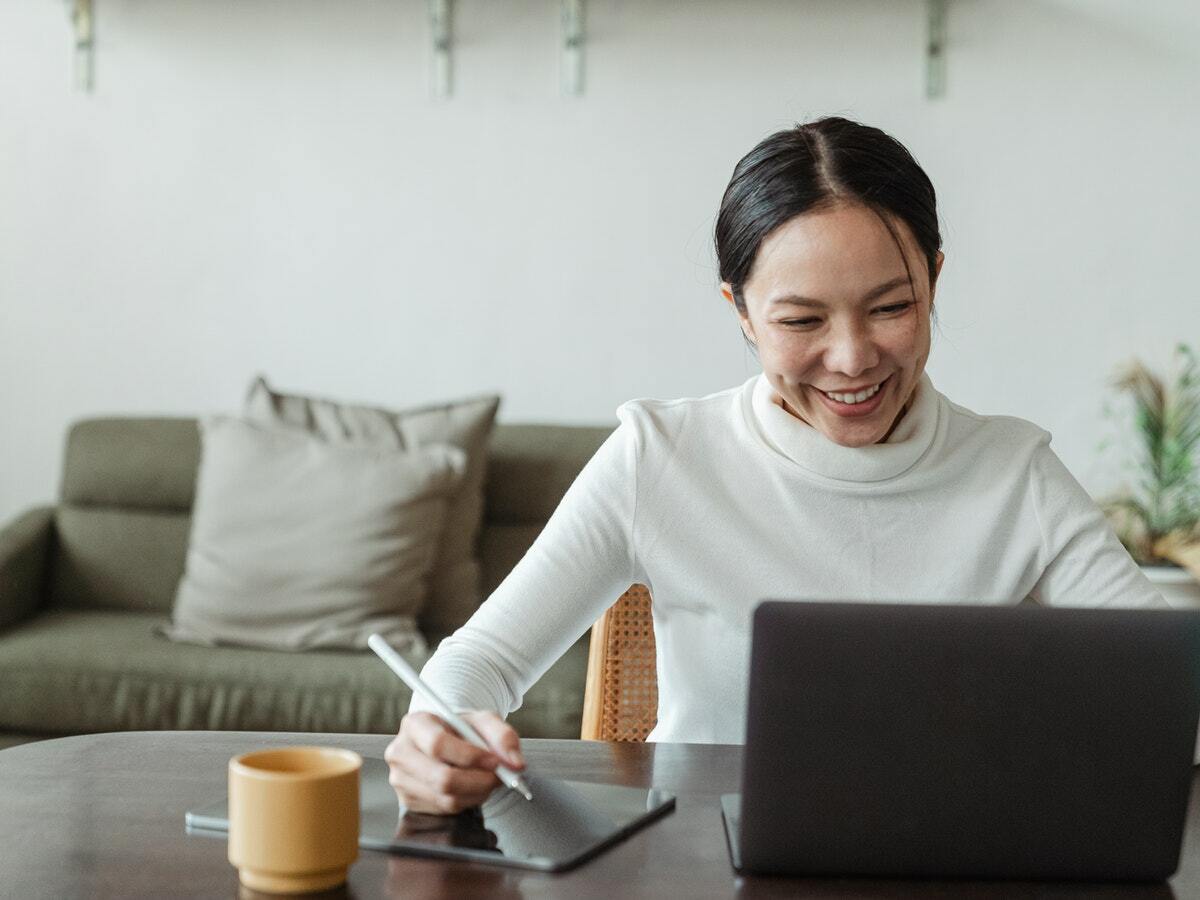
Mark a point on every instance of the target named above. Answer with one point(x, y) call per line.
point(967, 742)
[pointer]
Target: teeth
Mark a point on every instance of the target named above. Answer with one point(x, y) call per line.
point(853, 398)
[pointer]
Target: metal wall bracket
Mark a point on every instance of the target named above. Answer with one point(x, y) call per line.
point(84, 62)
point(572, 52)
point(935, 48)
point(440, 82)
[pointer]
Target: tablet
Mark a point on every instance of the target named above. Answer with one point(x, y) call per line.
point(566, 823)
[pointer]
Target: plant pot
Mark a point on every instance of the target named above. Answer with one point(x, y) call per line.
point(1178, 586)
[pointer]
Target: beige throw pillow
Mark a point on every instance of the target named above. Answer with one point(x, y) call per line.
point(297, 543)
point(455, 580)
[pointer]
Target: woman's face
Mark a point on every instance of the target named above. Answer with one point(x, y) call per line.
point(841, 334)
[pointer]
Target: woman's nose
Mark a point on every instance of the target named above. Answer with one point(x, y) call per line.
point(851, 352)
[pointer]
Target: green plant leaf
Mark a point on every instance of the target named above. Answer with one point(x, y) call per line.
point(1166, 427)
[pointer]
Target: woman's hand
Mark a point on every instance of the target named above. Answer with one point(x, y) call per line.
point(433, 770)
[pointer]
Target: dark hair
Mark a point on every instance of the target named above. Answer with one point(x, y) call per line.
point(815, 166)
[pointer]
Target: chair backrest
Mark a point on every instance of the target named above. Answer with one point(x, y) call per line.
point(620, 700)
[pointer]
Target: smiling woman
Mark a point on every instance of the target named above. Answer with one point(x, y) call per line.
point(839, 473)
point(820, 232)
point(847, 364)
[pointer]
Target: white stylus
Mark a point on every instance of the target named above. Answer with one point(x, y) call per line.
point(410, 677)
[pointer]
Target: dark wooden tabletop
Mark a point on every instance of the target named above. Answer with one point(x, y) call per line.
point(102, 816)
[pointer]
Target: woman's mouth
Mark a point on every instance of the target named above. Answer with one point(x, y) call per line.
point(861, 401)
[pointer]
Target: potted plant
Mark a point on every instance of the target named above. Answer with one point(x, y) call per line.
point(1159, 520)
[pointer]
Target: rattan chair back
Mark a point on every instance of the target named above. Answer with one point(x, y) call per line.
point(620, 700)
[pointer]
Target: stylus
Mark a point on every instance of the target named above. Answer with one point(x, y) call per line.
point(410, 677)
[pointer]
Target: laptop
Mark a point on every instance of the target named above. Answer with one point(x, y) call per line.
point(935, 741)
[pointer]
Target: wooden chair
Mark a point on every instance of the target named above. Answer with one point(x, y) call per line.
point(620, 699)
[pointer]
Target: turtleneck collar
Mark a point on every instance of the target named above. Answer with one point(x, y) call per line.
point(816, 454)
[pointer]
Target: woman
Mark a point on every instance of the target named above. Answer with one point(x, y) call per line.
point(839, 473)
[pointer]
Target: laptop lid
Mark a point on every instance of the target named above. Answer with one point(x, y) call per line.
point(968, 741)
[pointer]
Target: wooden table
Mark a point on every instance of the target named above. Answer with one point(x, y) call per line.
point(102, 816)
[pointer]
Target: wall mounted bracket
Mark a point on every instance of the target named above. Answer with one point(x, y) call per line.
point(85, 43)
point(935, 48)
point(441, 68)
point(440, 82)
point(572, 52)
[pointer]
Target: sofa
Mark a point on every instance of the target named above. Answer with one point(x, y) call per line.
point(84, 583)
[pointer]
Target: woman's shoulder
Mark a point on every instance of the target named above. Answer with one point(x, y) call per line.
point(676, 413)
point(994, 433)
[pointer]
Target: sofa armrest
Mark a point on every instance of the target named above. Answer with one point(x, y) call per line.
point(24, 551)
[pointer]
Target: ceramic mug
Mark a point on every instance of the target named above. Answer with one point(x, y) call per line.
point(294, 817)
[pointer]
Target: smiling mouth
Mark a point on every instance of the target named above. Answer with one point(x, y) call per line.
point(854, 398)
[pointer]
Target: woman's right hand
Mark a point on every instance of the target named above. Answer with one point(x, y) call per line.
point(433, 770)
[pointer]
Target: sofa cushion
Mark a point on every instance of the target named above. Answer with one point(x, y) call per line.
point(117, 558)
point(24, 550)
point(466, 424)
point(71, 671)
point(123, 517)
point(128, 486)
point(298, 543)
point(146, 463)
point(500, 548)
point(531, 466)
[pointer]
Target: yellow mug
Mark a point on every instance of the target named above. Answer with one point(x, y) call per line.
point(294, 818)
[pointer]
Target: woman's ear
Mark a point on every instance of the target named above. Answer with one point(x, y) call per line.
point(937, 271)
point(743, 319)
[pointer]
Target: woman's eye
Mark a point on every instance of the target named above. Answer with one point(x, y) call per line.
point(894, 307)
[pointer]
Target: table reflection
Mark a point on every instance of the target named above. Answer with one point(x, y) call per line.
point(466, 829)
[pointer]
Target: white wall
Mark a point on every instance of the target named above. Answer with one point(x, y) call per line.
point(265, 185)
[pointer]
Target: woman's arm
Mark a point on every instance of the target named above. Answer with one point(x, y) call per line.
point(578, 566)
point(1087, 565)
point(1083, 563)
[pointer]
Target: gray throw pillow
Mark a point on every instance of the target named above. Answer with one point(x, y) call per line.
point(297, 543)
point(454, 583)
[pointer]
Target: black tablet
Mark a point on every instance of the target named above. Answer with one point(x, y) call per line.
point(566, 823)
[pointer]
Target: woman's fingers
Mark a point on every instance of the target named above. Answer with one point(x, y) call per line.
point(435, 770)
point(442, 778)
point(437, 740)
point(418, 797)
point(499, 735)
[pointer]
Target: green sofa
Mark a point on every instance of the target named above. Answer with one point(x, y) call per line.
point(83, 583)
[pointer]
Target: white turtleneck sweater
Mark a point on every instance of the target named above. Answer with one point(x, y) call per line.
point(719, 502)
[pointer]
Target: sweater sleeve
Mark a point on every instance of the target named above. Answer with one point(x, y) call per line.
point(578, 566)
point(1087, 565)
point(1083, 563)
